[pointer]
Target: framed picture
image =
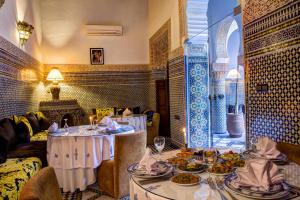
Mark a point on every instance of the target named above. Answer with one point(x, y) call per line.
point(97, 56)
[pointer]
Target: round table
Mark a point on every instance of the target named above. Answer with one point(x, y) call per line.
point(76, 155)
point(138, 121)
point(162, 189)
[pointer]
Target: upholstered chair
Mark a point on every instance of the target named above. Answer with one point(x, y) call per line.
point(42, 186)
point(153, 129)
point(292, 151)
point(113, 178)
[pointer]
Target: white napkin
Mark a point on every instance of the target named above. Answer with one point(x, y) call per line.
point(112, 126)
point(147, 161)
point(106, 120)
point(267, 148)
point(53, 128)
point(258, 173)
point(127, 112)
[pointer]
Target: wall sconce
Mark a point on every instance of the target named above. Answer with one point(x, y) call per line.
point(25, 30)
point(55, 76)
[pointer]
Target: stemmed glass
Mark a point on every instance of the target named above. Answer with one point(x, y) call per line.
point(159, 143)
point(66, 127)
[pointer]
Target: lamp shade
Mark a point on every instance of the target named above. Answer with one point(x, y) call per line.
point(233, 74)
point(55, 75)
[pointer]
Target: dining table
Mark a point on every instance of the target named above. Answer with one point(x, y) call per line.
point(162, 188)
point(76, 152)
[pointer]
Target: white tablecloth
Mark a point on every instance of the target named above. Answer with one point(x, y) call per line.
point(137, 121)
point(76, 156)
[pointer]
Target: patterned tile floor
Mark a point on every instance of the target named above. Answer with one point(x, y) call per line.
point(224, 140)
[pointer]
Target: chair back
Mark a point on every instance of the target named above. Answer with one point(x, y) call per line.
point(292, 151)
point(155, 122)
point(129, 148)
point(42, 186)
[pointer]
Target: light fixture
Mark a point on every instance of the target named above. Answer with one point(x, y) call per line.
point(55, 76)
point(25, 30)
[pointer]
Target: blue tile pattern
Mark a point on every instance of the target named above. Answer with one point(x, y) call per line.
point(197, 92)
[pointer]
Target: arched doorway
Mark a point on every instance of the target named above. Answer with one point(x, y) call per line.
point(213, 49)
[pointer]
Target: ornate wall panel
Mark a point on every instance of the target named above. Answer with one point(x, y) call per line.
point(127, 87)
point(197, 74)
point(19, 80)
point(160, 47)
point(177, 99)
point(182, 4)
point(272, 46)
point(254, 9)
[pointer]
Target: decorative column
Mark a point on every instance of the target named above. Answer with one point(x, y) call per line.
point(218, 99)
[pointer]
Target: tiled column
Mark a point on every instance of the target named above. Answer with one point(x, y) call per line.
point(218, 102)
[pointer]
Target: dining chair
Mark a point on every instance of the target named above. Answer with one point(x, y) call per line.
point(153, 129)
point(113, 178)
point(42, 186)
point(292, 151)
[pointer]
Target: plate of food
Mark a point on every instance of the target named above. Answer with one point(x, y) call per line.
point(230, 156)
point(177, 161)
point(221, 169)
point(186, 154)
point(186, 179)
point(236, 163)
point(192, 167)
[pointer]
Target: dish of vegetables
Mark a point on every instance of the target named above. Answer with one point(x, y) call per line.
point(192, 167)
point(230, 156)
point(221, 169)
point(185, 179)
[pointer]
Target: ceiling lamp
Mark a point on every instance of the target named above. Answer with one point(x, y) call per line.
point(25, 30)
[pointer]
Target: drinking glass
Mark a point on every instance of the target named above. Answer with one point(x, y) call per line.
point(159, 143)
point(66, 127)
point(253, 142)
point(209, 155)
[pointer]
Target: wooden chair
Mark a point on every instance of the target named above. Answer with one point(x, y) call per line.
point(42, 186)
point(113, 178)
point(153, 130)
point(292, 151)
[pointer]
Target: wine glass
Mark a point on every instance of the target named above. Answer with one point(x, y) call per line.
point(209, 156)
point(253, 142)
point(66, 127)
point(159, 143)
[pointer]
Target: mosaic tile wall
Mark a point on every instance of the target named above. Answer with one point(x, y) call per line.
point(272, 46)
point(94, 89)
point(177, 99)
point(19, 80)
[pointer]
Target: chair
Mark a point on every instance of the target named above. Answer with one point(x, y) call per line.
point(113, 178)
point(153, 129)
point(102, 112)
point(292, 151)
point(42, 186)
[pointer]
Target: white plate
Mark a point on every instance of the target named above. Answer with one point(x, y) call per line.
point(224, 174)
point(192, 172)
point(133, 168)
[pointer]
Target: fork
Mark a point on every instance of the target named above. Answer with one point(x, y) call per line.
point(213, 187)
point(220, 185)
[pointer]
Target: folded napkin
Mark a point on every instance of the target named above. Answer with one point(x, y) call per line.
point(149, 164)
point(127, 112)
point(106, 120)
point(53, 128)
point(267, 148)
point(258, 173)
point(112, 126)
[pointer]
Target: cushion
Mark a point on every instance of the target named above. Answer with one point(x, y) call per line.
point(24, 120)
point(3, 149)
point(149, 114)
point(33, 122)
point(14, 173)
point(41, 136)
point(22, 133)
point(7, 132)
point(43, 121)
point(136, 110)
point(102, 112)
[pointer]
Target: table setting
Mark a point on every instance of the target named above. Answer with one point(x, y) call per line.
point(211, 173)
point(75, 152)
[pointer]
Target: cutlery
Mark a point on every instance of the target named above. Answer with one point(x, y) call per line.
point(220, 185)
point(213, 187)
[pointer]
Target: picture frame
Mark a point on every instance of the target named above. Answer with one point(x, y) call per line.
point(97, 56)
